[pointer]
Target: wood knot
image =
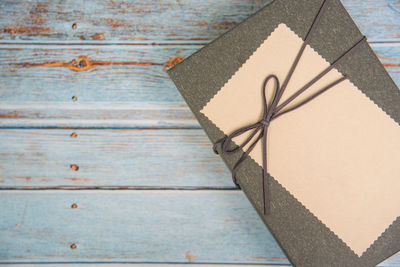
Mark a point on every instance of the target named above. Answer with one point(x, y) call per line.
point(81, 64)
point(172, 62)
point(73, 246)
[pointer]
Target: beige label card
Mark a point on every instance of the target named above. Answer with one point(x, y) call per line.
point(339, 154)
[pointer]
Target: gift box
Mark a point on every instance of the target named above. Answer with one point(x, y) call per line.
point(303, 113)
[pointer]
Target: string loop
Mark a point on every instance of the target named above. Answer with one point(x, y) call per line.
point(274, 110)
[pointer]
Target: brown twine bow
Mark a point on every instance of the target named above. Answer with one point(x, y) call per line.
point(274, 110)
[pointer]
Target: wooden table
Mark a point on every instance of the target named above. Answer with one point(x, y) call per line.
point(101, 159)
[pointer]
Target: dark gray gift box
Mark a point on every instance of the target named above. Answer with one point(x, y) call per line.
point(304, 239)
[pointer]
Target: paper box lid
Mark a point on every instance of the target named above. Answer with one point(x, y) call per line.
point(303, 237)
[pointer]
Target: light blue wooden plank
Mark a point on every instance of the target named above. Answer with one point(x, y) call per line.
point(389, 55)
point(392, 261)
point(159, 158)
point(117, 73)
point(379, 20)
point(155, 21)
point(97, 115)
point(138, 265)
point(123, 94)
point(133, 226)
point(161, 265)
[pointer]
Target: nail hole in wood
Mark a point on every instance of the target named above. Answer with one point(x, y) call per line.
point(73, 246)
point(74, 26)
point(74, 206)
point(74, 135)
point(74, 167)
point(74, 98)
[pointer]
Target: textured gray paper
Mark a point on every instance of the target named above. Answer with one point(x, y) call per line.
point(305, 240)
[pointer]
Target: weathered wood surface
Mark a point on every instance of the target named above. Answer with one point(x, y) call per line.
point(97, 115)
point(123, 87)
point(160, 21)
point(133, 226)
point(111, 73)
point(108, 264)
point(118, 158)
